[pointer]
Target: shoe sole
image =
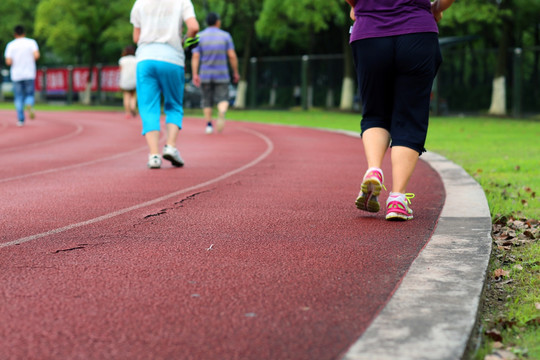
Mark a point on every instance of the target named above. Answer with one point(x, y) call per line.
point(394, 216)
point(173, 160)
point(368, 200)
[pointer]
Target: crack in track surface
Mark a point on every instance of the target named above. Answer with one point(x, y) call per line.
point(264, 155)
point(177, 204)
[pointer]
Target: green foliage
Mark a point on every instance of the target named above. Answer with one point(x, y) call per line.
point(14, 13)
point(295, 21)
point(81, 30)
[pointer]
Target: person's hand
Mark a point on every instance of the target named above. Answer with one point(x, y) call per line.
point(191, 42)
point(236, 78)
point(436, 10)
point(351, 14)
point(196, 80)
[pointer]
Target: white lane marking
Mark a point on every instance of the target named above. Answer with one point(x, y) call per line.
point(49, 171)
point(77, 131)
point(264, 155)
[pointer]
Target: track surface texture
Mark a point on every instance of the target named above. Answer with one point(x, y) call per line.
point(253, 250)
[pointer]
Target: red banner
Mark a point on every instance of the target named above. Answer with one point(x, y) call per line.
point(110, 78)
point(80, 79)
point(57, 80)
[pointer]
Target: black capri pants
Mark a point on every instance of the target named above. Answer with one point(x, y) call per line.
point(395, 77)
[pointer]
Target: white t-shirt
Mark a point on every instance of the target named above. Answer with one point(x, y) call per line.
point(21, 52)
point(128, 72)
point(161, 23)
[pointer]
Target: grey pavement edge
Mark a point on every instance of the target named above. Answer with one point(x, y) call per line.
point(432, 314)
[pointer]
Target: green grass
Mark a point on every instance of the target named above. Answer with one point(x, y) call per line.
point(503, 155)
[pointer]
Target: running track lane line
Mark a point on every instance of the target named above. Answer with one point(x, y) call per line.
point(77, 131)
point(68, 167)
point(264, 155)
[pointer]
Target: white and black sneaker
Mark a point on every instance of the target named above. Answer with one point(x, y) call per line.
point(209, 128)
point(171, 153)
point(154, 161)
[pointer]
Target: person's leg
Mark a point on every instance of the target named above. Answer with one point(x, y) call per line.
point(418, 59)
point(374, 63)
point(127, 100)
point(404, 161)
point(149, 101)
point(222, 100)
point(133, 103)
point(171, 80)
point(207, 93)
point(29, 88)
point(222, 106)
point(207, 111)
point(18, 99)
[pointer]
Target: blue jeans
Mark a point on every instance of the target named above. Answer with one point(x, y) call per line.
point(24, 95)
point(156, 78)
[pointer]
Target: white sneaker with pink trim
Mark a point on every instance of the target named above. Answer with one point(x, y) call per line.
point(371, 188)
point(397, 207)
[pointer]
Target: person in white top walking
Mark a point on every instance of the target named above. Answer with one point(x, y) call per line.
point(128, 83)
point(21, 54)
point(157, 29)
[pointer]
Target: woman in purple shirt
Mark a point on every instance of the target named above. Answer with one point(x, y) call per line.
point(396, 51)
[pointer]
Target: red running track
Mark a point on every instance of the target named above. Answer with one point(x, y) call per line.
point(253, 250)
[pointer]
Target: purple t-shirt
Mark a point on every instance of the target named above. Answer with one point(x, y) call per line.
point(213, 46)
point(378, 18)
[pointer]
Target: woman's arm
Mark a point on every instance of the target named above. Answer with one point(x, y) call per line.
point(136, 34)
point(192, 27)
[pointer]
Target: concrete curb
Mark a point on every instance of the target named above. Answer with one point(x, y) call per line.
point(433, 313)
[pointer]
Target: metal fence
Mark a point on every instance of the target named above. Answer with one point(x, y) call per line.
point(463, 85)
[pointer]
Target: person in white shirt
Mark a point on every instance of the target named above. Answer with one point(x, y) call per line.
point(157, 30)
point(21, 54)
point(128, 83)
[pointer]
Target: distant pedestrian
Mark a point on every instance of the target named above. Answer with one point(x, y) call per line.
point(21, 54)
point(128, 80)
point(157, 26)
point(215, 47)
point(396, 52)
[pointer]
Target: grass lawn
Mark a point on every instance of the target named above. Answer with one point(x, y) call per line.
point(503, 155)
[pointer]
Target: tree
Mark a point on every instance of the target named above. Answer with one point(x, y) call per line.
point(20, 13)
point(299, 22)
point(83, 29)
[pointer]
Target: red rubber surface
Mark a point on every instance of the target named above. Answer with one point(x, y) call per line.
point(253, 250)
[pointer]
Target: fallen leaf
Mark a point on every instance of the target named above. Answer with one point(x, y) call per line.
point(517, 168)
point(494, 334)
point(524, 202)
point(537, 306)
point(500, 273)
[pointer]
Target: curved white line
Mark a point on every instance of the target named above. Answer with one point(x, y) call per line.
point(77, 131)
point(68, 167)
point(264, 155)
point(49, 171)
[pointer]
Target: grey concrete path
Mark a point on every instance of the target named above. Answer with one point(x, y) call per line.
point(432, 315)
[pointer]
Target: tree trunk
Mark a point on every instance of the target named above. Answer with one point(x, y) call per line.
point(498, 95)
point(241, 90)
point(347, 87)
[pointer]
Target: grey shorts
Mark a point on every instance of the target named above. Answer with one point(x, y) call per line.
point(214, 93)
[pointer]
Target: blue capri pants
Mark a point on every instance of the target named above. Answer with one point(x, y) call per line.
point(395, 77)
point(156, 78)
